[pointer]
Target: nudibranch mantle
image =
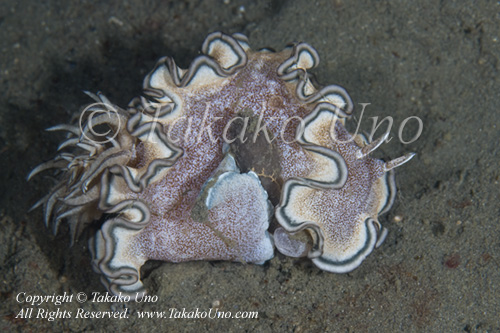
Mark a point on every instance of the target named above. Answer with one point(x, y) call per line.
point(166, 183)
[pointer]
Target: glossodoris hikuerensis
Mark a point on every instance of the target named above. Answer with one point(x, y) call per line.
point(197, 168)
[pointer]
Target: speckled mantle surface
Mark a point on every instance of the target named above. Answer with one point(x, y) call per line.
point(439, 267)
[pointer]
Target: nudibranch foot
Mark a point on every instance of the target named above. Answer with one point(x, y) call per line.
point(224, 225)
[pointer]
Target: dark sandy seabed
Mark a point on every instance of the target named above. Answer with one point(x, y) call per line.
point(438, 270)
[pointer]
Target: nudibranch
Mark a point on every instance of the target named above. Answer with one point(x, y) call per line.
point(168, 181)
